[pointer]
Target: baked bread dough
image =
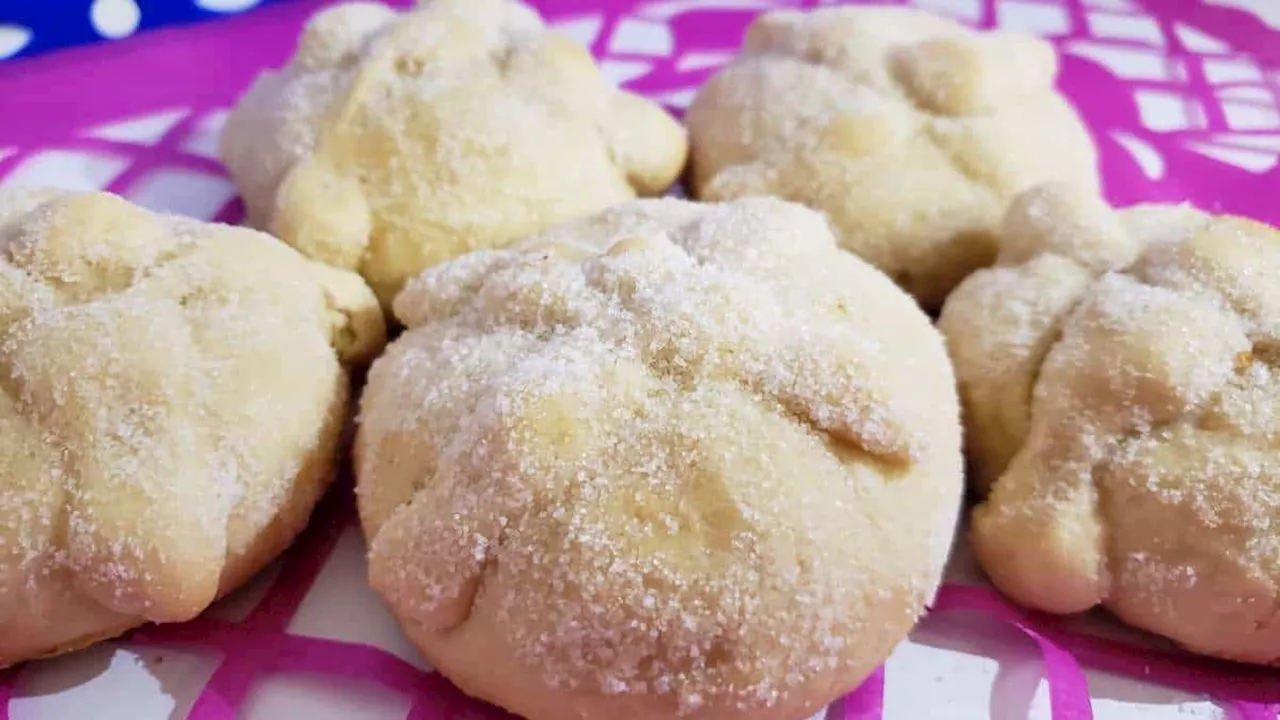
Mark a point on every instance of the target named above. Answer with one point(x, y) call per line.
point(172, 397)
point(1120, 372)
point(672, 460)
point(395, 141)
point(908, 130)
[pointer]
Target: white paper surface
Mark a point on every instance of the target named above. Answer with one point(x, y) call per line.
point(956, 666)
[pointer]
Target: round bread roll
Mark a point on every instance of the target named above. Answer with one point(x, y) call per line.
point(173, 394)
point(395, 141)
point(911, 133)
point(1120, 372)
point(673, 460)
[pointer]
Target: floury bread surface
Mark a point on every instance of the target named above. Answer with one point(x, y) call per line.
point(674, 460)
point(910, 131)
point(395, 141)
point(1120, 371)
point(172, 397)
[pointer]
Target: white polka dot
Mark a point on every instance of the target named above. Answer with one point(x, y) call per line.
point(115, 19)
point(12, 39)
point(226, 6)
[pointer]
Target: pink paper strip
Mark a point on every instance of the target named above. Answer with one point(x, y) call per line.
point(865, 703)
point(1068, 686)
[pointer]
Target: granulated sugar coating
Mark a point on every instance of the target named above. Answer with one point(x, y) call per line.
point(910, 131)
point(172, 395)
point(395, 141)
point(671, 460)
point(1119, 375)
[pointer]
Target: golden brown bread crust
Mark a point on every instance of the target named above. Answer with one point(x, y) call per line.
point(173, 396)
point(1120, 374)
point(395, 141)
point(910, 131)
point(671, 460)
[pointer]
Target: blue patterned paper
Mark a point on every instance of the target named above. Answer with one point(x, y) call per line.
point(31, 27)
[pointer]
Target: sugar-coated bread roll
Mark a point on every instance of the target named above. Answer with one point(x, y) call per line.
point(395, 141)
point(171, 398)
point(674, 460)
point(911, 133)
point(1120, 372)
